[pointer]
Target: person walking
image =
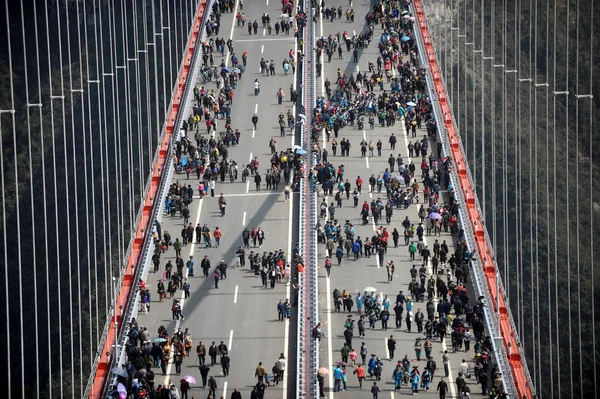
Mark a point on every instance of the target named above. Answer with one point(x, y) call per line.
point(391, 344)
point(375, 390)
point(260, 372)
point(212, 386)
point(360, 374)
point(442, 388)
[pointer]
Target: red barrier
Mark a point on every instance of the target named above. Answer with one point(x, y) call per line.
point(145, 224)
point(485, 254)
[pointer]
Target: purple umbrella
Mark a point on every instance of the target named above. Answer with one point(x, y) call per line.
point(435, 215)
point(190, 379)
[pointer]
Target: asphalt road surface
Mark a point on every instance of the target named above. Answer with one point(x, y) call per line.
point(354, 276)
point(241, 313)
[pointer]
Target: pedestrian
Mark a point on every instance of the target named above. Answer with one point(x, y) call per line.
point(375, 390)
point(391, 344)
point(260, 372)
point(442, 388)
point(212, 386)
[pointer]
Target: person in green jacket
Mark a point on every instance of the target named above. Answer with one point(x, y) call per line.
point(345, 351)
point(412, 250)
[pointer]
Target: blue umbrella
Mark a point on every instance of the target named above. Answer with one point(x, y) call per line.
point(120, 372)
point(405, 38)
point(301, 152)
point(411, 104)
point(225, 69)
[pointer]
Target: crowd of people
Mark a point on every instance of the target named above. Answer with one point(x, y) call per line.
point(204, 154)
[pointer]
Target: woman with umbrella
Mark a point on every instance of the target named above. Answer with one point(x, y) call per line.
point(184, 387)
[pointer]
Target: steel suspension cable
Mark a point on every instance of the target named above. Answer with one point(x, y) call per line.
point(6, 276)
point(577, 236)
point(591, 144)
point(56, 214)
point(567, 219)
point(157, 112)
point(143, 49)
point(17, 206)
point(91, 224)
point(100, 116)
point(106, 73)
point(77, 243)
point(33, 218)
point(67, 190)
point(126, 84)
point(45, 213)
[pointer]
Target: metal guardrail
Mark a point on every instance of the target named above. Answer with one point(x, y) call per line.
point(308, 348)
point(486, 233)
point(131, 310)
point(491, 320)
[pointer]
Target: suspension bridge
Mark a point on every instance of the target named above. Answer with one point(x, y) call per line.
point(96, 96)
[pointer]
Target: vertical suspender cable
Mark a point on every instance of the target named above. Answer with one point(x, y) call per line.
point(90, 225)
point(482, 102)
point(473, 111)
point(75, 201)
point(126, 81)
point(554, 182)
point(86, 249)
point(518, 173)
point(577, 236)
point(58, 247)
point(154, 39)
point(33, 218)
point(67, 191)
point(505, 254)
point(100, 118)
point(138, 105)
point(5, 243)
point(103, 163)
point(531, 126)
point(568, 189)
point(592, 248)
point(144, 50)
point(163, 57)
point(493, 135)
point(17, 207)
point(6, 277)
point(45, 212)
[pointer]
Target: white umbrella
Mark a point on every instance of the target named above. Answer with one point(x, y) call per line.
point(284, 16)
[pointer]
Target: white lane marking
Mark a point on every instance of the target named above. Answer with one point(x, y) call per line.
point(247, 186)
point(244, 219)
point(387, 350)
point(329, 345)
point(373, 222)
point(230, 340)
point(391, 395)
point(256, 108)
point(262, 49)
point(235, 295)
point(182, 299)
point(353, 33)
point(357, 69)
point(367, 156)
point(264, 31)
point(267, 2)
point(231, 33)
point(253, 132)
point(225, 389)
point(250, 158)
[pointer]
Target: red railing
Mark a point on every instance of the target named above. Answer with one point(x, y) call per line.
point(144, 226)
point(485, 253)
